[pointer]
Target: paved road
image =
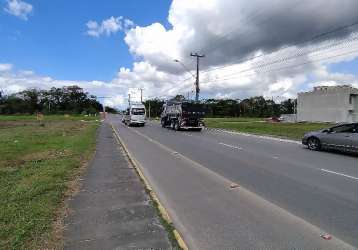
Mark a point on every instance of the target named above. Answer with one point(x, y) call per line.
point(288, 196)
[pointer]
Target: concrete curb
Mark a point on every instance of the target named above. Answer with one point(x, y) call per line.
point(162, 210)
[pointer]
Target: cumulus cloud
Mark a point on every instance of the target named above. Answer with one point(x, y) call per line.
point(244, 35)
point(155, 83)
point(18, 8)
point(255, 47)
point(108, 27)
point(232, 29)
point(128, 24)
point(5, 67)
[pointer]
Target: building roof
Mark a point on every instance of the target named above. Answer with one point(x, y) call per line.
point(337, 88)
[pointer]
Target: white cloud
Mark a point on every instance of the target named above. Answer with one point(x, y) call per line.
point(108, 27)
point(115, 101)
point(230, 31)
point(128, 24)
point(19, 8)
point(325, 78)
point(5, 67)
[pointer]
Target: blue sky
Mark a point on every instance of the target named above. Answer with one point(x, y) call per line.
point(52, 41)
point(350, 67)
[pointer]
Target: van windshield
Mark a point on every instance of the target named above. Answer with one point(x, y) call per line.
point(138, 111)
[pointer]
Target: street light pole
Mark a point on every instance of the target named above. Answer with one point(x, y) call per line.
point(103, 105)
point(185, 67)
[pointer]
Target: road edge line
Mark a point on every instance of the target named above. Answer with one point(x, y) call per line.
point(162, 210)
point(258, 136)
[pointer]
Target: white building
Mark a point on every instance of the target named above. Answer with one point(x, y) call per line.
point(328, 104)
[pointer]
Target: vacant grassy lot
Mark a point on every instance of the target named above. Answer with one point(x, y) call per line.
point(259, 126)
point(37, 160)
point(7, 118)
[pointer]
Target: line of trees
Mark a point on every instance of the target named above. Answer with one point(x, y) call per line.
point(250, 107)
point(69, 100)
point(74, 100)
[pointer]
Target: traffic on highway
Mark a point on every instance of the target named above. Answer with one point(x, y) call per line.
point(179, 124)
point(229, 190)
point(343, 138)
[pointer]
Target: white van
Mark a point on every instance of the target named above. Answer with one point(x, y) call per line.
point(135, 115)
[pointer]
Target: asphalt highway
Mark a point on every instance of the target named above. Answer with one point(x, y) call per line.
point(286, 198)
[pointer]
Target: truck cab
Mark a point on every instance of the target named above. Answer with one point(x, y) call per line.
point(135, 115)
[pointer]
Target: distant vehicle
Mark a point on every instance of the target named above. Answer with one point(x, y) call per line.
point(180, 115)
point(272, 119)
point(135, 115)
point(343, 138)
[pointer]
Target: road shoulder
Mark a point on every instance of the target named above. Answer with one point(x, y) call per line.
point(112, 209)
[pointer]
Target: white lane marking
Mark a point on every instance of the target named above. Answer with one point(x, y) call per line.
point(255, 136)
point(345, 175)
point(230, 146)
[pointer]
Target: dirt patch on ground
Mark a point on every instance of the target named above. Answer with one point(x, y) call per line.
point(46, 155)
point(54, 239)
point(12, 124)
point(35, 157)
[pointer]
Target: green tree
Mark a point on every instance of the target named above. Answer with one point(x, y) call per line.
point(156, 106)
point(70, 99)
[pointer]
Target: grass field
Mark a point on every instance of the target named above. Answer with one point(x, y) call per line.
point(51, 118)
point(37, 161)
point(260, 127)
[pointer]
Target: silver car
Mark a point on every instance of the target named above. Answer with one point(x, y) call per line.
point(342, 138)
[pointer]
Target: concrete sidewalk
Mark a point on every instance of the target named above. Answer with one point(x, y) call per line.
point(112, 210)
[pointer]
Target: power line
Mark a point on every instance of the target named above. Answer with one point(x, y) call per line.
point(288, 67)
point(314, 38)
point(297, 55)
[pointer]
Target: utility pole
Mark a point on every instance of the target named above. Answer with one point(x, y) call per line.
point(129, 99)
point(149, 109)
point(141, 95)
point(103, 105)
point(197, 86)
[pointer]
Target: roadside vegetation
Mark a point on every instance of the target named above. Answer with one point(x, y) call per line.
point(261, 127)
point(38, 159)
point(65, 100)
point(256, 106)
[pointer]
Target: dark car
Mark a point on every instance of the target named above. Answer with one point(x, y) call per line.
point(342, 137)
